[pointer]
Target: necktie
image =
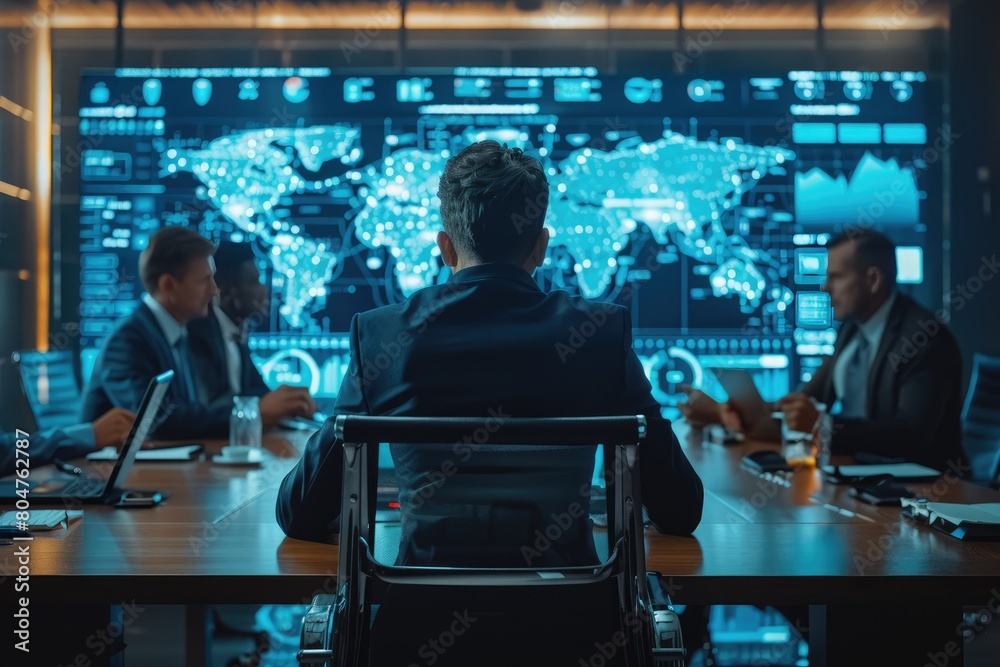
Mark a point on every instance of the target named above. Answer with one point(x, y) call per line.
point(856, 381)
point(242, 356)
point(184, 369)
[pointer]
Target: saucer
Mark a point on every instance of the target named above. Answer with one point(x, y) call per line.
point(253, 458)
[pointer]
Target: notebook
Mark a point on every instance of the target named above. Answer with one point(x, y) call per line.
point(961, 520)
point(188, 452)
point(97, 485)
point(904, 470)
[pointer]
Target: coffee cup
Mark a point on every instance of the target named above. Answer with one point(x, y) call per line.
point(238, 453)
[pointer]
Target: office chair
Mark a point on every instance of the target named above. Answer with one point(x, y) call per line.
point(981, 420)
point(50, 385)
point(336, 630)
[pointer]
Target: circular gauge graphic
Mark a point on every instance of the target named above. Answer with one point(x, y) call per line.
point(699, 90)
point(293, 367)
point(857, 90)
point(295, 89)
point(668, 370)
point(809, 90)
point(902, 91)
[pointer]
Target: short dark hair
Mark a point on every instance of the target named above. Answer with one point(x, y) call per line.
point(870, 249)
point(170, 250)
point(229, 260)
point(493, 202)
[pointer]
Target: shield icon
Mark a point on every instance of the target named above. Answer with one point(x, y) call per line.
point(151, 90)
point(201, 89)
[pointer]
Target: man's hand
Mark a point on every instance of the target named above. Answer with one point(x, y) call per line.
point(286, 401)
point(731, 417)
point(700, 409)
point(800, 412)
point(111, 428)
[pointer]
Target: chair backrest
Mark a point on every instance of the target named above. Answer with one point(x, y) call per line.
point(50, 386)
point(981, 419)
point(360, 576)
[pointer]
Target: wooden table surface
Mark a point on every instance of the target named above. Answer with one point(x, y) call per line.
point(789, 539)
point(217, 532)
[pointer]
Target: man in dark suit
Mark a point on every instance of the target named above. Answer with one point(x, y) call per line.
point(489, 343)
point(218, 341)
point(69, 442)
point(178, 270)
point(222, 363)
point(895, 372)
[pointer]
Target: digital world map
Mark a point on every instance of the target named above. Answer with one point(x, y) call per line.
point(704, 205)
point(678, 187)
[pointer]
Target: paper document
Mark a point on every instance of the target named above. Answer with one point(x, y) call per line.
point(900, 470)
point(958, 513)
point(184, 453)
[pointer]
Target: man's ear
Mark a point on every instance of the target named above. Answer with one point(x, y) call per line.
point(166, 285)
point(875, 279)
point(448, 252)
point(537, 256)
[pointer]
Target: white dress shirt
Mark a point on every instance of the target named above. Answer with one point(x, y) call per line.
point(171, 328)
point(872, 329)
point(234, 363)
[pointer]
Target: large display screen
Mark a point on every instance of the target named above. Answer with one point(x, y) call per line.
point(702, 204)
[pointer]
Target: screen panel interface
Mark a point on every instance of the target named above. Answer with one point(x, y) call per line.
point(702, 204)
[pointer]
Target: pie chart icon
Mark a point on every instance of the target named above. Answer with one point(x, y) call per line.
point(295, 89)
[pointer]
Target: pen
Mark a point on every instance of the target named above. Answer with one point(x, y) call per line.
point(66, 467)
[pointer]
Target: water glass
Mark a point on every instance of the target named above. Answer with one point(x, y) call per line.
point(245, 425)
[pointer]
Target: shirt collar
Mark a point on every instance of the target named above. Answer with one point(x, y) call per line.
point(491, 271)
point(171, 328)
point(874, 327)
point(229, 329)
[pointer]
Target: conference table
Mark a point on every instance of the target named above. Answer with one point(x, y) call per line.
point(784, 539)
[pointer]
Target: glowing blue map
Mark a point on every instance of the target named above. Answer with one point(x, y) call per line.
point(676, 186)
point(249, 178)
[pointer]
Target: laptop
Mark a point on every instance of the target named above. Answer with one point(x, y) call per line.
point(48, 381)
point(324, 409)
point(755, 412)
point(97, 485)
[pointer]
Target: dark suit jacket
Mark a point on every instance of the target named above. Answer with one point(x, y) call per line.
point(914, 391)
point(42, 448)
point(211, 370)
point(134, 353)
point(487, 343)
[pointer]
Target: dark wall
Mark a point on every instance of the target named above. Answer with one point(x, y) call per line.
point(17, 254)
point(975, 176)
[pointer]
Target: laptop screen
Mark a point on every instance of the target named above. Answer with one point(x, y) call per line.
point(145, 417)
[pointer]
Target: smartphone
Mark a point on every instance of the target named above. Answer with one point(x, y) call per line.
point(139, 499)
point(880, 492)
point(766, 460)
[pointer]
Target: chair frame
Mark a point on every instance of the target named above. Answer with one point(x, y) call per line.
point(333, 635)
point(980, 364)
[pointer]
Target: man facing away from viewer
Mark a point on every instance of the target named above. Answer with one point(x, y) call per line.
point(490, 343)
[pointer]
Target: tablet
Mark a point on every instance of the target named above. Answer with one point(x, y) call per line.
point(754, 410)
